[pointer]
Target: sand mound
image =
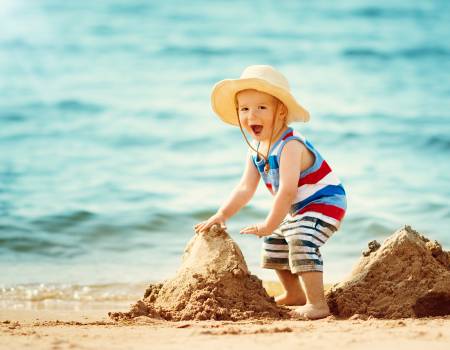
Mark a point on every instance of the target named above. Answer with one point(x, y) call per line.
point(407, 276)
point(213, 283)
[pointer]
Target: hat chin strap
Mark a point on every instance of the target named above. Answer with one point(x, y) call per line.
point(266, 158)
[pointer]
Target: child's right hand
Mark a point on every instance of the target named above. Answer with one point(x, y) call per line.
point(204, 226)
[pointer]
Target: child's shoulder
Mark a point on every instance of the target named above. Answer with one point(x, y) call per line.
point(292, 140)
point(296, 145)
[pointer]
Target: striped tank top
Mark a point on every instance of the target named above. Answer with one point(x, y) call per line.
point(320, 192)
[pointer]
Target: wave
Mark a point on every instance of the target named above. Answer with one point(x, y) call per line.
point(441, 142)
point(40, 107)
point(60, 222)
point(196, 50)
point(41, 292)
point(79, 106)
point(420, 52)
point(31, 245)
point(73, 235)
point(364, 52)
point(397, 13)
point(12, 117)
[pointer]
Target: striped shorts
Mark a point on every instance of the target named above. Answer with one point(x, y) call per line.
point(295, 244)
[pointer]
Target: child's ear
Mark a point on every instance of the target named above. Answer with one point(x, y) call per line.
point(283, 111)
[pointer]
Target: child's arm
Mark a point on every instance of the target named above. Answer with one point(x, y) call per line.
point(239, 197)
point(290, 167)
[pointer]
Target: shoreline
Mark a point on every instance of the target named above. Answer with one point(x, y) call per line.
point(54, 302)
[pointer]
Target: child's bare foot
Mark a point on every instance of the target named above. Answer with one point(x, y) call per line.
point(311, 311)
point(285, 299)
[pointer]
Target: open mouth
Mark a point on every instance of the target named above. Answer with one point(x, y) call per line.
point(257, 129)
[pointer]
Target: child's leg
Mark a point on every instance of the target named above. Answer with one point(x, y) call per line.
point(304, 238)
point(316, 306)
point(293, 294)
point(276, 256)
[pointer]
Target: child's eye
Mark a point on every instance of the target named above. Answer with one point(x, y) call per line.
point(262, 107)
point(243, 109)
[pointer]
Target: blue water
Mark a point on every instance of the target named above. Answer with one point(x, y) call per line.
point(110, 153)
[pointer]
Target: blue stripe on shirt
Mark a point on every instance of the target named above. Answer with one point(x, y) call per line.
point(327, 191)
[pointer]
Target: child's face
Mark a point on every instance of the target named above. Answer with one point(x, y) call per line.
point(256, 112)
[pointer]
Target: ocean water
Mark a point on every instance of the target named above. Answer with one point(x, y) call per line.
point(110, 153)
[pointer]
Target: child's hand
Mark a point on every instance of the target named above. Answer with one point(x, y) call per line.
point(259, 230)
point(204, 226)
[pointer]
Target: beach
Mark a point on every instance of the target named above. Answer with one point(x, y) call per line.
point(111, 153)
point(92, 329)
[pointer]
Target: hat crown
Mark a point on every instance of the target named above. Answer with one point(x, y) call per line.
point(267, 73)
point(263, 78)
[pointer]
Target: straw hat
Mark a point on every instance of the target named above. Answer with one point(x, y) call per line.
point(258, 77)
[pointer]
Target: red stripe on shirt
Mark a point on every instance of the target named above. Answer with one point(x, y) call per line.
point(269, 186)
point(315, 176)
point(289, 134)
point(326, 209)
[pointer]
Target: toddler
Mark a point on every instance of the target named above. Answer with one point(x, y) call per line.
point(309, 200)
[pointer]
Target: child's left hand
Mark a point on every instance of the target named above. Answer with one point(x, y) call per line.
point(259, 230)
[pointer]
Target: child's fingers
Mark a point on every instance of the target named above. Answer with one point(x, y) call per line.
point(205, 225)
point(248, 233)
point(199, 227)
point(249, 230)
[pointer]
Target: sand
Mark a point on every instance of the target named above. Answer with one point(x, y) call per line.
point(381, 304)
point(407, 276)
point(213, 283)
point(94, 330)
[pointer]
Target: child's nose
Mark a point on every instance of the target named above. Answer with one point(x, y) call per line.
point(253, 113)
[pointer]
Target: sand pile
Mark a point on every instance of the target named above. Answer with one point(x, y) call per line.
point(213, 283)
point(407, 276)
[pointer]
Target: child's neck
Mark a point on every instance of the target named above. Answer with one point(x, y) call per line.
point(264, 145)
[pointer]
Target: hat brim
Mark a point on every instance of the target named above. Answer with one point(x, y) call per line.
point(224, 92)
